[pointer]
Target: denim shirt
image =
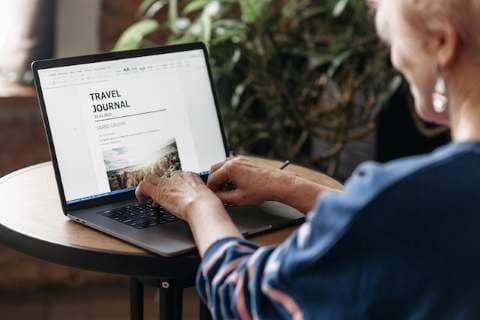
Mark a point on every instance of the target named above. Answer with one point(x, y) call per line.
point(402, 241)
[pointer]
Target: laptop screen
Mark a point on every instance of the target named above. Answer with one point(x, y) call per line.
point(113, 122)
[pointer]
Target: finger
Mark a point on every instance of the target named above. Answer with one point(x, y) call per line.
point(174, 174)
point(217, 166)
point(217, 179)
point(153, 179)
point(231, 197)
point(144, 191)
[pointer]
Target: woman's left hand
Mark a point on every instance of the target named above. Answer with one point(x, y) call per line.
point(182, 194)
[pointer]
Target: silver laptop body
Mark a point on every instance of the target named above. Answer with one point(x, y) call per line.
point(112, 118)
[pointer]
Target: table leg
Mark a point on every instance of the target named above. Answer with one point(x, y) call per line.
point(136, 299)
point(204, 312)
point(171, 300)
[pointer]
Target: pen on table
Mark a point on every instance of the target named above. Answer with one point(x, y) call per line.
point(285, 164)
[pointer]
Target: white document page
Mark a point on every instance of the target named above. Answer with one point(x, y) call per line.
point(114, 122)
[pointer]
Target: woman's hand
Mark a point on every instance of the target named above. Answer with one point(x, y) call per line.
point(186, 196)
point(240, 181)
point(181, 194)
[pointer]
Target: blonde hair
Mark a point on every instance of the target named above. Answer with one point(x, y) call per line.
point(427, 14)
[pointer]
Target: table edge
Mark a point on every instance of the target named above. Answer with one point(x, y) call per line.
point(143, 263)
point(115, 262)
point(47, 164)
point(18, 172)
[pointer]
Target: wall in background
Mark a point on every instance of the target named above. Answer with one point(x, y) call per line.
point(117, 15)
point(78, 27)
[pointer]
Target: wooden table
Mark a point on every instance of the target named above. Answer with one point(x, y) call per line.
point(32, 221)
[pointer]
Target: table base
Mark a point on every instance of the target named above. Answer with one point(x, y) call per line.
point(170, 294)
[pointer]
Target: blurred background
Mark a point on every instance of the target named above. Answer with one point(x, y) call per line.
point(300, 79)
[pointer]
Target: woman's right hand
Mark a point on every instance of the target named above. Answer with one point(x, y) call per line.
point(240, 181)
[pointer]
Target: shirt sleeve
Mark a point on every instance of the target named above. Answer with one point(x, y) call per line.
point(305, 277)
point(231, 281)
point(239, 280)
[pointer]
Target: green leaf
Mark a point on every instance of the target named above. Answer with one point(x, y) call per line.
point(195, 6)
point(228, 30)
point(340, 7)
point(338, 62)
point(132, 38)
point(183, 39)
point(252, 10)
point(173, 15)
point(148, 8)
point(229, 35)
point(312, 12)
point(228, 24)
point(207, 29)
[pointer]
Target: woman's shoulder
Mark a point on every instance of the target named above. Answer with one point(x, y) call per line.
point(409, 176)
point(448, 157)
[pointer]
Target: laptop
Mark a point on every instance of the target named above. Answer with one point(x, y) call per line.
point(112, 118)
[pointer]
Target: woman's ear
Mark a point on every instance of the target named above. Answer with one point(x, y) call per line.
point(447, 42)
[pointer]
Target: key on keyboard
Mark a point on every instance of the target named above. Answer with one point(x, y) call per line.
point(140, 216)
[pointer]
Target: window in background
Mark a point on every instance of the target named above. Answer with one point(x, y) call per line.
point(26, 34)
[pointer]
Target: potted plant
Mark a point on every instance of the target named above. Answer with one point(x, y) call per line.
point(291, 75)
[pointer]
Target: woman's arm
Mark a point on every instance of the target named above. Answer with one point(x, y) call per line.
point(299, 193)
point(254, 184)
point(210, 223)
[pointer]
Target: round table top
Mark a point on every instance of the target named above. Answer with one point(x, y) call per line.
point(32, 221)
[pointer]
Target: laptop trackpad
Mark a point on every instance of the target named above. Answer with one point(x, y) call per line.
point(268, 215)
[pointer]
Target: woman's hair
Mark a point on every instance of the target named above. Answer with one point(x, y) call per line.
point(428, 14)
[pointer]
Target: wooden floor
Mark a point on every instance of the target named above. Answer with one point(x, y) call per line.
point(87, 303)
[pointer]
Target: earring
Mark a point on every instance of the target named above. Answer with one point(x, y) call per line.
point(439, 97)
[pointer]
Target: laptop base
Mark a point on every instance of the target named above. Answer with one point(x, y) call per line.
point(175, 238)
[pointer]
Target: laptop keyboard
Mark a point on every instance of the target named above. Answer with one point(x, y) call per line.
point(142, 215)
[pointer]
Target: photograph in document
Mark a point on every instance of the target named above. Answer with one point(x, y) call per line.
point(122, 173)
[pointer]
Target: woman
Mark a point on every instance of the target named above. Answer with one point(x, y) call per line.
point(401, 241)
